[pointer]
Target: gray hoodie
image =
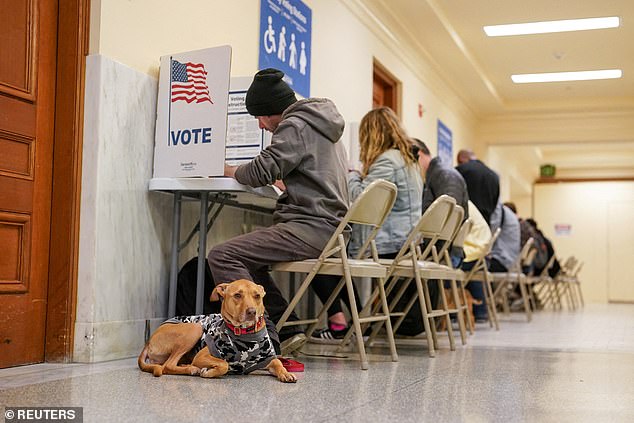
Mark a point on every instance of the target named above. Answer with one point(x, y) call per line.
point(507, 247)
point(306, 155)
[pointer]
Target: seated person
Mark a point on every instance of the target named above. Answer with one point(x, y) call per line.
point(528, 231)
point(441, 179)
point(305, 153)
point(474, 247)
point(504, 252)
point(483, 183)
point(507, 247)
point(385, 154)
point(550, 251)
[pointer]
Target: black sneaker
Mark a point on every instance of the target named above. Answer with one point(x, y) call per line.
point(328, 336)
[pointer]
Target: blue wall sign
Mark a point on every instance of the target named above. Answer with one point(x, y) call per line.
point(285, 32)
point(445, 143)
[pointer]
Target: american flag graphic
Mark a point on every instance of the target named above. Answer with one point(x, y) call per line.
point(189, 82)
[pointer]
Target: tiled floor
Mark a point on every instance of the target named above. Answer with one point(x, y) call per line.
point(562, 367)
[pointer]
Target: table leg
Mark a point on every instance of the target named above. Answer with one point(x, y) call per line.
point(202, 252)
point(176, 233)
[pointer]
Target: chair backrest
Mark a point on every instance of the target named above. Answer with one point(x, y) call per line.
point(464, 230)
point(528, 260)
point(370, 208)
point(428, 227)
point(526, 248)
point(452, 225)
point(374, 204)
point(448, 232)
point(568, 265)
point(491, 242)
point(546, 268)
point(458, 240)
point(480, 264)
point(522, 257)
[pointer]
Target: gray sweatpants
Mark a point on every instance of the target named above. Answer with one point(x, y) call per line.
point(249, 256)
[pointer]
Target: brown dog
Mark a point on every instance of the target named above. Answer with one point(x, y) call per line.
point(451, 304)
point(233, 336)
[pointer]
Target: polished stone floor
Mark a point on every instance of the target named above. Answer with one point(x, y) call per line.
point(569, 366)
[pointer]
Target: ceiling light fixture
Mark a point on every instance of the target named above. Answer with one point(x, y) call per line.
point(566, 76)
point(552, 26)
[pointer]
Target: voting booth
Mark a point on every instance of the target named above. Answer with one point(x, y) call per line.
point(202, 120)
point(191, 119)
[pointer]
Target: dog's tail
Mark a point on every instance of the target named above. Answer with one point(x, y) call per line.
point(155, 369)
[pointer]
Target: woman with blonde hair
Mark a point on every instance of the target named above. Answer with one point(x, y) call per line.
point(385, 153)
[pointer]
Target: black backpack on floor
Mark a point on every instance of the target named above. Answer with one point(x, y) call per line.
point(186, 290)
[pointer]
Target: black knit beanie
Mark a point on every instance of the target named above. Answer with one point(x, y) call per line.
point(269, 94)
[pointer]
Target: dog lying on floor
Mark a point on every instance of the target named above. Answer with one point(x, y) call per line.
point(234, 341)
point(451, 304)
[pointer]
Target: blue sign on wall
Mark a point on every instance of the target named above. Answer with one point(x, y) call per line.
point(445, 143)
point(285, 32)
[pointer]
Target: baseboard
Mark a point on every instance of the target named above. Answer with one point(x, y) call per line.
point(105, 341)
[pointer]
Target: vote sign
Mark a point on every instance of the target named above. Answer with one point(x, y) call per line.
point(191, 120)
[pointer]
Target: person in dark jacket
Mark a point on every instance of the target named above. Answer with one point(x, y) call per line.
point(556, 266)
point(440, 178)
point(483, 184)
point(306, 156)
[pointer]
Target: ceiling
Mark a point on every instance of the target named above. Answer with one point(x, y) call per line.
point(449, 35)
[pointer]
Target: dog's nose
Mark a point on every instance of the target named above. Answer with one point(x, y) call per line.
point(250, 313)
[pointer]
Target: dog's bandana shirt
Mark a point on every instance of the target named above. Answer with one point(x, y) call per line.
point(244, 353)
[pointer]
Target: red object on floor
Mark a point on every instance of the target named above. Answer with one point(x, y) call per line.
point(292, 365)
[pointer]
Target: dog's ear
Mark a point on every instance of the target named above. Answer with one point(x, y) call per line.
point(261, 290)
point(219, 291)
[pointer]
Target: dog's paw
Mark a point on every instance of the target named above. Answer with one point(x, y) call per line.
point(287, 377)
point(194, 370)
point(209, 373)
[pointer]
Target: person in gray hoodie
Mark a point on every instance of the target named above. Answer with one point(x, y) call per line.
point(308, 162)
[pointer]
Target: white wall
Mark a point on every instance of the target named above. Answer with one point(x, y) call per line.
point(588, 208)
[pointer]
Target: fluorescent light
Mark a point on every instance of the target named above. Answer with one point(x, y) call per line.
point(552, 26)
point(566, 76)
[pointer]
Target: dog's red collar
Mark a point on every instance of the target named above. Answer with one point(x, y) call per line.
point(244, 331)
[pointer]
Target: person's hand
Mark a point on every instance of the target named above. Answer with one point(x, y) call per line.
point(280, 184)
point(230, 171)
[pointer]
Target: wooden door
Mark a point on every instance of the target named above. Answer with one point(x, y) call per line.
point(385, 89)
point(28, 44)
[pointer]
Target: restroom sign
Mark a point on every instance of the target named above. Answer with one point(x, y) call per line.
point(191, 119)
point(285, 34)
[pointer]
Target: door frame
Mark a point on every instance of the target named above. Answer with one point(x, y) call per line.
point(390, 84)
point(72, 49)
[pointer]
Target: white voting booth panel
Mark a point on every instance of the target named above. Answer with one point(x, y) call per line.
point(191, 121)
point(202, 119)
